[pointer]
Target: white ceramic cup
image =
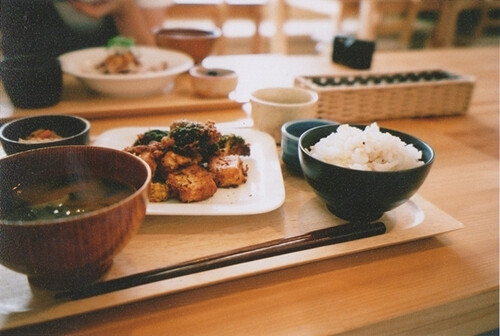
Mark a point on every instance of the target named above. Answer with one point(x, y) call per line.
point(272, 107)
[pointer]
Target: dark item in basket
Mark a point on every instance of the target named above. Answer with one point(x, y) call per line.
point(352, 52)
point(397, 78)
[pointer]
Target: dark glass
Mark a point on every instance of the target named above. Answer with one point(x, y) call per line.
point(32, 81)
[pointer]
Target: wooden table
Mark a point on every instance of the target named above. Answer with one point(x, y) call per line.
point(444, 285)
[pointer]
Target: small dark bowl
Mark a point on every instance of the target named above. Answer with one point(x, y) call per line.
point(290, 134)
point(197, 43)
point(357, 195)
point(32, 81)
point(74, 130)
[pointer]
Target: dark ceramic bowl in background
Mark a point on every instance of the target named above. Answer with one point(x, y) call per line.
point(73, 130)
point(71, 251)
point(197, 43)
point(33, 81)
point(290, 134)
point(357, 195)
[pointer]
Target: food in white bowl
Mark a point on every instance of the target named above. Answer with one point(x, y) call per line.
point(157, 73)
point(123, 58)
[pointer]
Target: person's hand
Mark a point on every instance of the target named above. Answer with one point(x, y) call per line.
point(99, 9)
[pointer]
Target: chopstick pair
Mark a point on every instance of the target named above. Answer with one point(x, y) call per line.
point(328, 236)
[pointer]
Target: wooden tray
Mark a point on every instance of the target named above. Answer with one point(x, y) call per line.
point(78, 100)
point(167, 240)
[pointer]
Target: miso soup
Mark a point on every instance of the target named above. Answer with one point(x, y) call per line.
point(63, 198)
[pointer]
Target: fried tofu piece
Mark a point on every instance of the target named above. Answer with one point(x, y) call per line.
point(172, 161)
point(191, 184)
point(119, 63)
point(229, 171)
point(158, 192)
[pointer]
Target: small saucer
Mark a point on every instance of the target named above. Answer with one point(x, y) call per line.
point(213, 82)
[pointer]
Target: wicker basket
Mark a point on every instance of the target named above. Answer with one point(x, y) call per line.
point(366, 97)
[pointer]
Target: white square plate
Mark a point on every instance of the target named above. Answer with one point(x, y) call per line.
point(264, 190)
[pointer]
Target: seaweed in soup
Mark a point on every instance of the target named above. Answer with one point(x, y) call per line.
point(62, 198)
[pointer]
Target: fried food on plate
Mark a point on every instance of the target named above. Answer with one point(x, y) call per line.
point(191, 160)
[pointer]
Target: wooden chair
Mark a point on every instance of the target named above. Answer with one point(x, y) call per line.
point(434, 7)
point(402, 18)
point(334, 12)
point(490, 17)
point(447, 24)
point(253, 10)
point(376, 18)
point(209, 13)
point(202, 14)
point(394, 18)
point(196, 9)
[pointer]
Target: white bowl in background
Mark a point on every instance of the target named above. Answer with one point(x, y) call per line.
point(81, 64)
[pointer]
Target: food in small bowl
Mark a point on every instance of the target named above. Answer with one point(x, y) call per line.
point(197, 43)
point(290, 134)
point(65, 212)
point(44, 131)
point(213, 83)
point(361, 172)
point(141, 72)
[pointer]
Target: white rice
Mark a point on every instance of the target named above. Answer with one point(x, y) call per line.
point(368, 149)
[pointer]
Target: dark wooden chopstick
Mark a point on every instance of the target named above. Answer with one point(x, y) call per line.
point(322, 237)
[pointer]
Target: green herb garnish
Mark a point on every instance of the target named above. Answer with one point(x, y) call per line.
point(120, 42)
